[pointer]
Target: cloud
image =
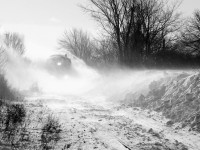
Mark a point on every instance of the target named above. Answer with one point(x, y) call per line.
point(55, 20)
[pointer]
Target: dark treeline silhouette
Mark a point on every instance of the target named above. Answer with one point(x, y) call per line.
point(138, 33)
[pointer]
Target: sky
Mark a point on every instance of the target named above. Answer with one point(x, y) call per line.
point(42, 22)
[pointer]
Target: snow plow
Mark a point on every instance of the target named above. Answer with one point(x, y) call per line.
point(59, 65)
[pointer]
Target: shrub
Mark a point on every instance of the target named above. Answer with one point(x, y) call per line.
point(12, 118)
point(50, 133)
point(15, 114)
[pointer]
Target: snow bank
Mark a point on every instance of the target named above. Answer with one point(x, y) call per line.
point(177, 97)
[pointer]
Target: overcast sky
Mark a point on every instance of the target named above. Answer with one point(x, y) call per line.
point(42, 22)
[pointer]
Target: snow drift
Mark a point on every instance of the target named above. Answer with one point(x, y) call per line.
point(177, 97)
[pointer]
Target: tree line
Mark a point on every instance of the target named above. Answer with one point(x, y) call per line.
point(138, 33)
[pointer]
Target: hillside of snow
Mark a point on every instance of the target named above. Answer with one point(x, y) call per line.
point(176, 96)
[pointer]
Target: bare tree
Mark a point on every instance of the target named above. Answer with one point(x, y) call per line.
point(15, 41)
point(191, 34)
point(78, 43)
point(10, 40)
point(159, 23)
point(115, 16)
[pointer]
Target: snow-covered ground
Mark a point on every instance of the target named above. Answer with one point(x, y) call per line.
point(106, 117)
point(110, 126)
